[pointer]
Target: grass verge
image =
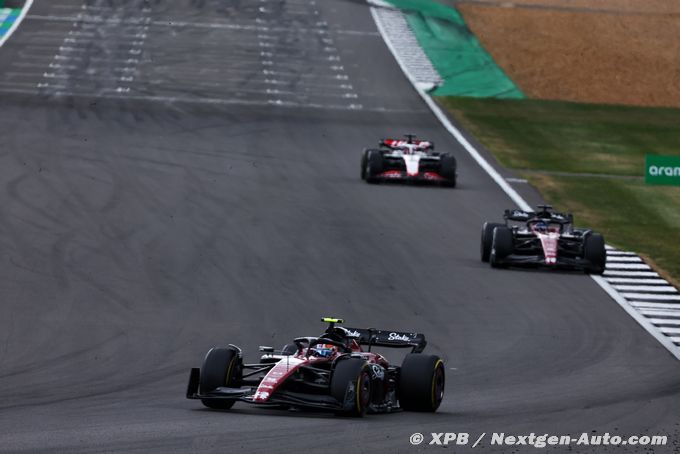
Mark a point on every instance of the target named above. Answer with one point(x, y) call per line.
point(589, 159)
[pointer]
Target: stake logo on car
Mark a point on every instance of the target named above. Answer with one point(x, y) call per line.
point(331, 372)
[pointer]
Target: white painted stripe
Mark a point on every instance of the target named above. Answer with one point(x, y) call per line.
point(16, 23)
point(514, 195)
point(647, 288)
point(631, 273)
point(642, 320)
point(669, 330)
point(399, 32)
point(622, 258)
point(650, 296)
point(648, 305)
point(665, 321)
point(627, 266)
point(612, 252)
point(659, 312)
point(629, 280)
point(675, 339)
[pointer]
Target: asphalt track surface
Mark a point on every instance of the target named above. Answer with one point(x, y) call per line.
point(136, 232)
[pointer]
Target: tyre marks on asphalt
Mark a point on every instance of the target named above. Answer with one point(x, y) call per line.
point(277, 53)
point(645, 291)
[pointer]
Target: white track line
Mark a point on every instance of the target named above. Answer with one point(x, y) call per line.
point(645, 288)
point(609, 272)
point(650, 305)
point(642, 320)
point(618, 259)
point(628, 266)
point(629, 280)
point(651, 312)
point(665, 321)
point(670, 330)
point(650, 296)
point(18, 21)
point(622, 258)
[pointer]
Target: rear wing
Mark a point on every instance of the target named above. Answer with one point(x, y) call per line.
point(384, 338)
point(524, 216)
point(518, 215)
point(396, 143)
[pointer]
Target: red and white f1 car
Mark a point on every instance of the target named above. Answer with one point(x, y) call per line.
point(329, 372)
point(543, 238)
point(408, 160)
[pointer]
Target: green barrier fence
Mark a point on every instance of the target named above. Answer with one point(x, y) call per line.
point(465, 66)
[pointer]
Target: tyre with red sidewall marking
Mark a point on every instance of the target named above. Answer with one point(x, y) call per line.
point(352, 374)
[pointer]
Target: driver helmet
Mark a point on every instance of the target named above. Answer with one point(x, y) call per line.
point(324, 350)
point(409, 149)
point(541, 226)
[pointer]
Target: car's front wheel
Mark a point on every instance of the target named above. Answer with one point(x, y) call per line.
point(371, 165)
point(221, 367)
point(595, 253)
point(351, 386)
point(447, 169)
point(501, 246)
point(487, 237)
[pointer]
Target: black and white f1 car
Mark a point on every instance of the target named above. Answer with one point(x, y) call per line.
point(543, 238)
point(408, 160)
point(330, 372)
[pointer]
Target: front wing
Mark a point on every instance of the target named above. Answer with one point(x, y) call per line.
point(575, 263)
point(277, 399)
point(402, 175)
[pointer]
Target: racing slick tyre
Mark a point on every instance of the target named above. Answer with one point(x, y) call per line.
point(501, 246)
point(487, 236)
point(595, 253)
point(220, 368)
point(421, 382)
point(447, 170)
point(352, 373)
point(371, 165)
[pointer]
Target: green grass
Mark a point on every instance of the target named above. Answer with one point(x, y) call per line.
point(556, 145)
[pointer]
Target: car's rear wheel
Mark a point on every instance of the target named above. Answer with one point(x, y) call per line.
point(371, 165)
point(447, 170)
point(421, 382)
point(351, 386)
point(221, 367)
point(501, 246)
point(487, 237)
point(595, 253)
